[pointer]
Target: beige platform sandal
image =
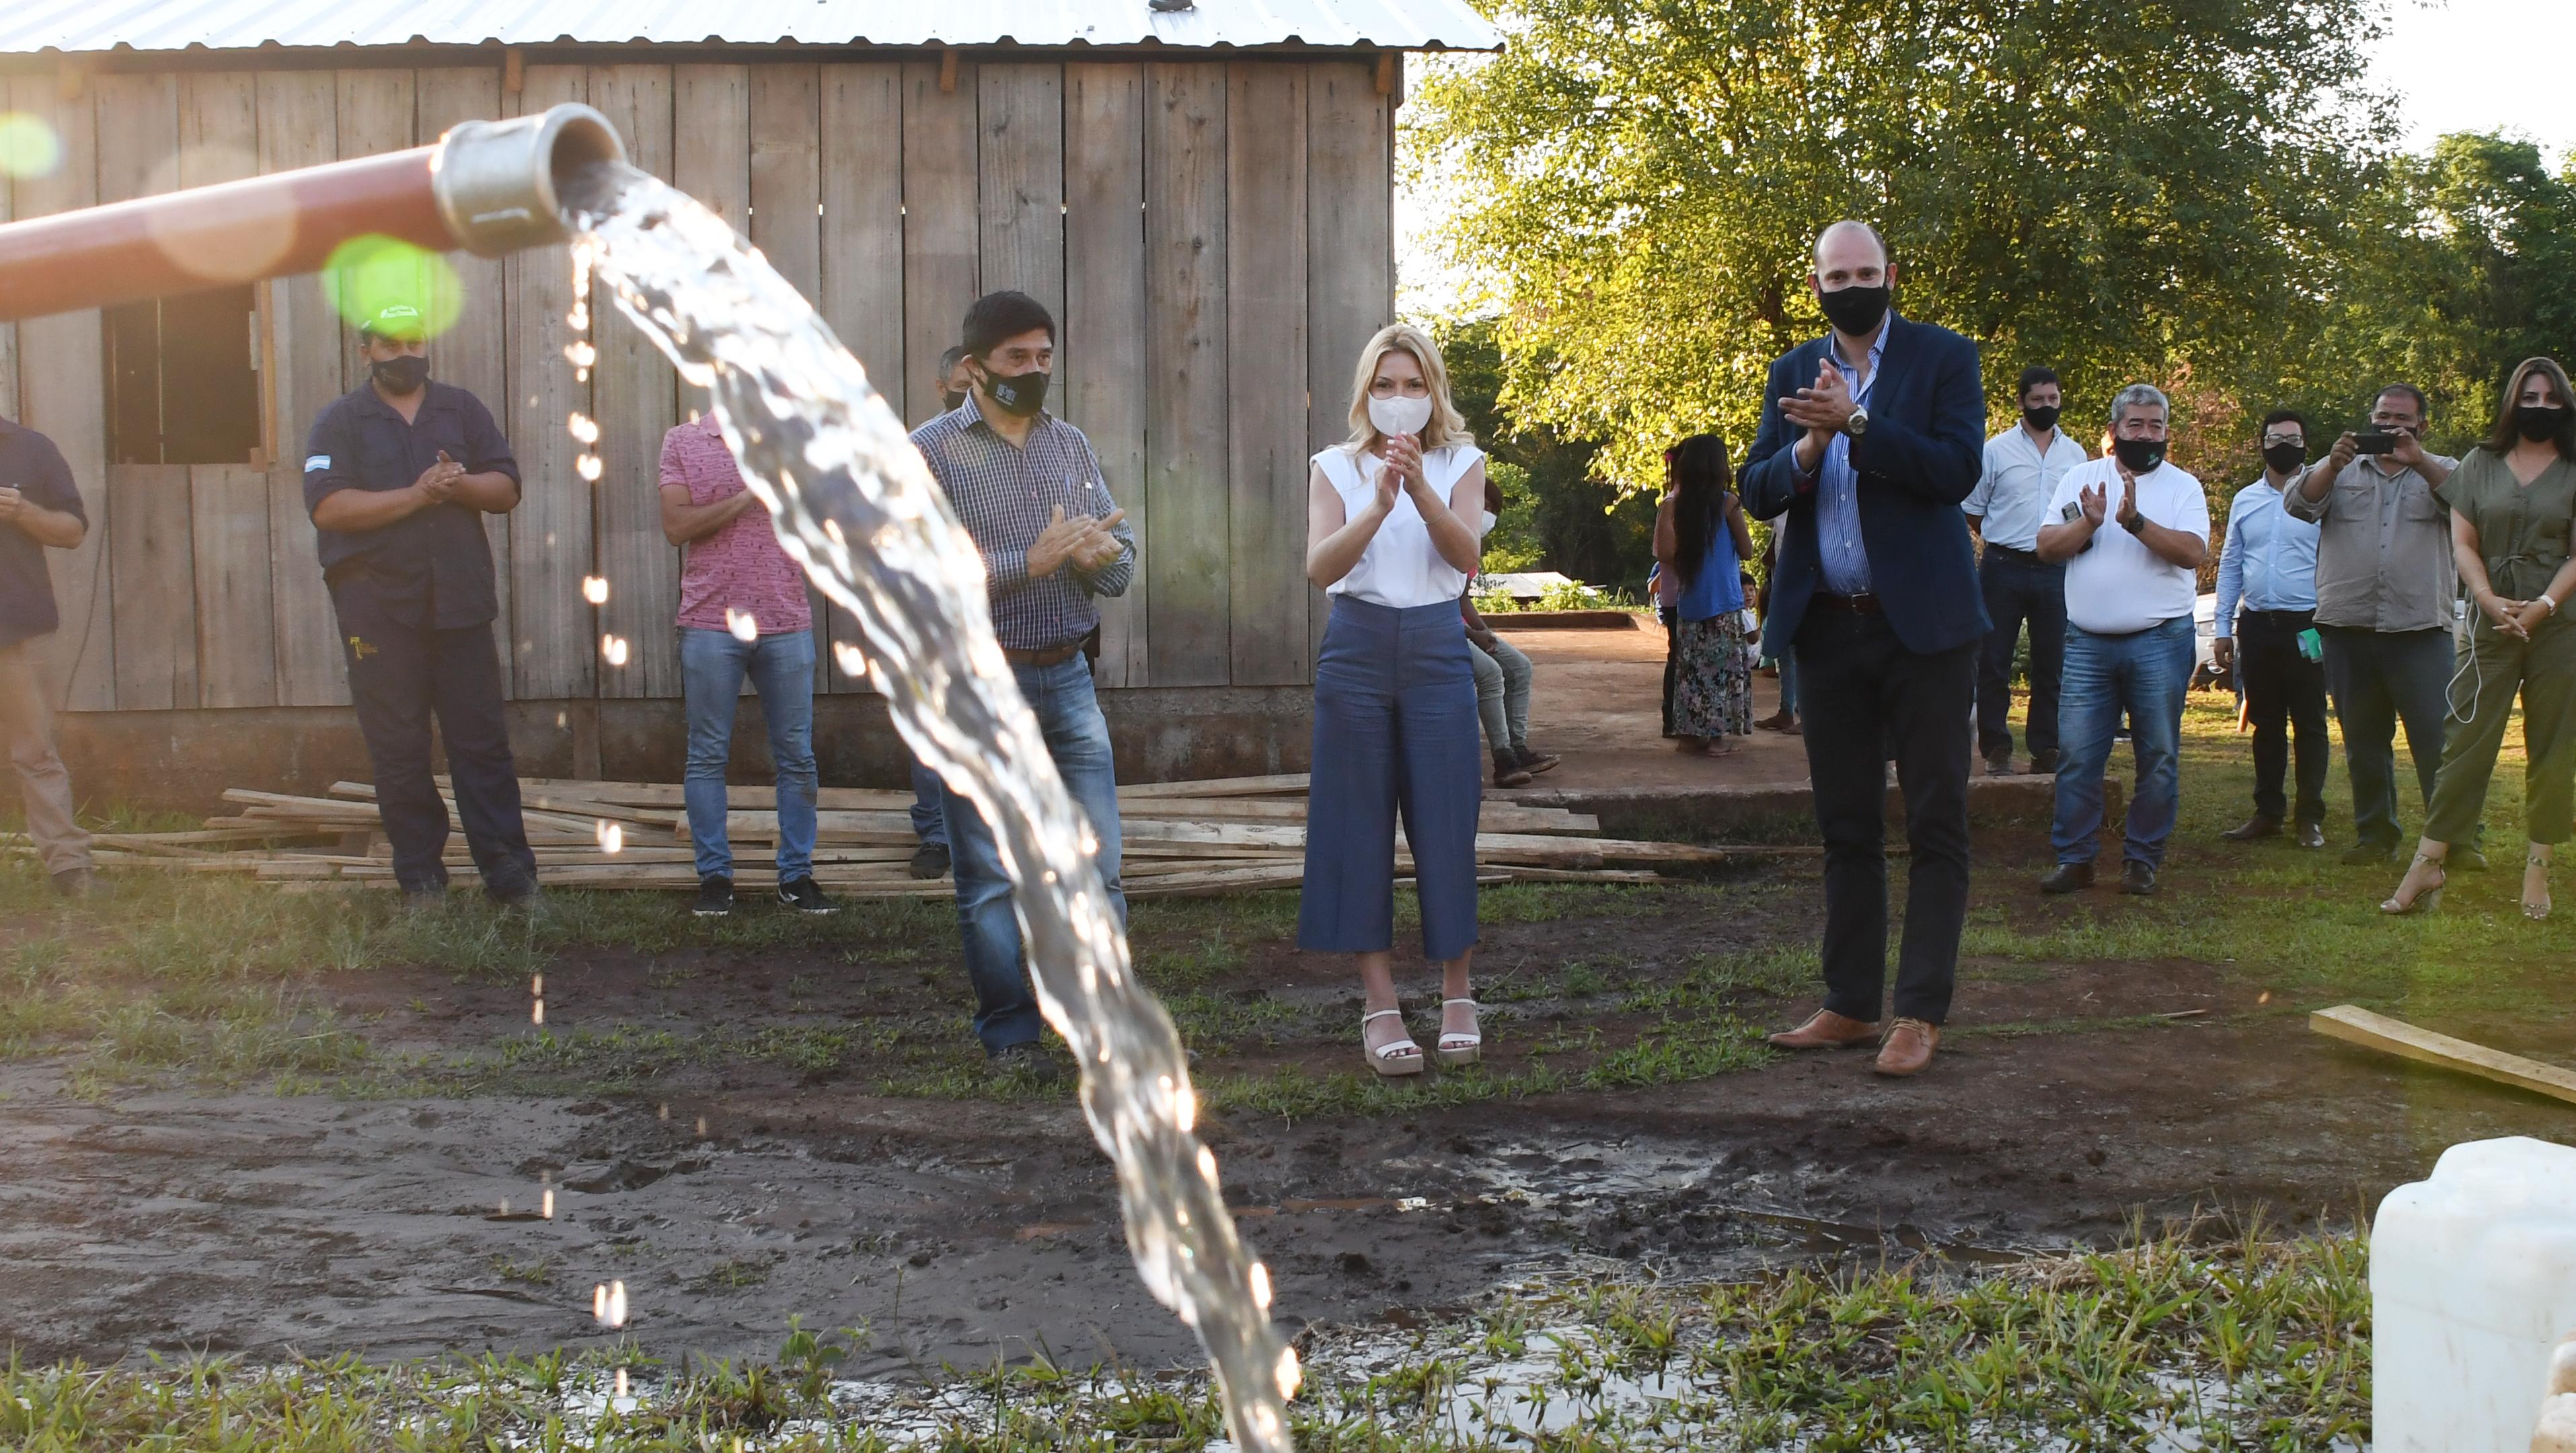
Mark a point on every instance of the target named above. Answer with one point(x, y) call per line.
point(1460, 1049)
point(1396, 1058)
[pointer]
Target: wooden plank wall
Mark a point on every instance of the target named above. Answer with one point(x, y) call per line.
point(1214, 238)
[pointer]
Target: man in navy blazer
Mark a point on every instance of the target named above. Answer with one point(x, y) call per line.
point(1870, 438)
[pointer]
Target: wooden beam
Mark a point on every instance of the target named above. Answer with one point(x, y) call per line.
point(514, 70)
point(2354, 1025)
point(1387, 61)
point(948, 70)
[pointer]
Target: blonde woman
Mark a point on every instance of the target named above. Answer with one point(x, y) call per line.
point(1391, 525)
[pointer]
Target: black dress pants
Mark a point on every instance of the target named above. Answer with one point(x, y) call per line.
point(2285, 699)
point(2020, 587)
point(1864, 697)
point(401, 676)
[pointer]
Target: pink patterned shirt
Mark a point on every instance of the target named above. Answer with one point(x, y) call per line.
point(739, 567)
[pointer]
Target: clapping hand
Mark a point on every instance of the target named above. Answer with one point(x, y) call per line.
point(2095, 499)
point(1098, 546)
point(1824, 409)
point(1084, 541)
point(2128, 495)
point(438, 481)
point(1404, 461)
point(12, 504)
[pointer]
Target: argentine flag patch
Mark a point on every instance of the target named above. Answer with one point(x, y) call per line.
point(316, 461)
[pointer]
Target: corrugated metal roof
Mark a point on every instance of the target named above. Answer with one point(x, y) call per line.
point(173, 25)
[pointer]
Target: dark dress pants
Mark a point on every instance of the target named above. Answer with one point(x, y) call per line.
point(2020, 588)
point(1863, 694)
point(2380, 678)
point(2285, 699)
point(400, 677)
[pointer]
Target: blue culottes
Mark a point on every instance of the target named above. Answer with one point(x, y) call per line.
point(1395, 731)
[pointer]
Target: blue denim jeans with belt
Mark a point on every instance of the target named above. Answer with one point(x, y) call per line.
point(781, 667)
point(1077, 737)
point(2145, 673)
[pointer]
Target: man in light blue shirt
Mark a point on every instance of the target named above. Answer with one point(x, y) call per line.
point(2269, 566)
point(2010, 503)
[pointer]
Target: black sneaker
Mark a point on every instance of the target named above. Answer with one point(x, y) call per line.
point(1536, 762)
point(715, 896)
point(2137, 879)
point(1028, 1059)
point(2044, 764)
point(804, 896)
point(1508, 771)
point(929, 861)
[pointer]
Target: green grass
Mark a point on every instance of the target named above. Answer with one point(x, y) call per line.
point(2219, 1339)
point(177, 979)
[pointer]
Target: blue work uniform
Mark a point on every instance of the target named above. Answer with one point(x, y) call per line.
point(416, 602)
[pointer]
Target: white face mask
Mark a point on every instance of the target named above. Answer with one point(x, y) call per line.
point(1399, 415)
point(1484, 523)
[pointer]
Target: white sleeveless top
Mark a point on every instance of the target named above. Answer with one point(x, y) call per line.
point(1400, 567)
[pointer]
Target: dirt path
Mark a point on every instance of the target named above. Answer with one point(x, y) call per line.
point(959, 1230)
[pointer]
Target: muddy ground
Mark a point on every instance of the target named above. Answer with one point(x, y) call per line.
point(729, 1198)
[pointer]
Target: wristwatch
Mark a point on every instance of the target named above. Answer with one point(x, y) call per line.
point(1857, 424)
point(2136, 523)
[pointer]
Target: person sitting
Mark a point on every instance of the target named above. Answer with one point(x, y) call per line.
point(1502, 700)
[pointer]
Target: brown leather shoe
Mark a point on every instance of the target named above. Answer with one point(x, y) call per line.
point(1827, 1030)
point(1909, 1047)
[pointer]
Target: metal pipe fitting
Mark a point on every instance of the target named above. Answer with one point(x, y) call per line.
point(489, 187)
point(497, 181)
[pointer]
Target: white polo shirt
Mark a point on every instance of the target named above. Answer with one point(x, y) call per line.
point(2117, 586)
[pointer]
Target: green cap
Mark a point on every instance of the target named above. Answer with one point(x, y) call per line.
point(395, 320)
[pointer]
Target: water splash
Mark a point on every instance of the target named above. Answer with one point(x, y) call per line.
point(853, 503)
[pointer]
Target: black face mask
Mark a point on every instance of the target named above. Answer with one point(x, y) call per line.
point(2538, 422)
point(1020, 395)
point(2285, 457)
point(2043, 418)
point(2140, 455)
point(953, 400)
point(400, 376)
point(1855, 312)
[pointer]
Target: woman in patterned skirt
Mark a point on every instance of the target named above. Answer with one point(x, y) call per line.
point(1702, 539)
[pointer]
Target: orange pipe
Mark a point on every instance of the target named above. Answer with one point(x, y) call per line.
point(233, 232)
point(486, 187)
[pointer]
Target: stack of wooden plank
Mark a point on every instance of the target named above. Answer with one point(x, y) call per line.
point(1235, 834)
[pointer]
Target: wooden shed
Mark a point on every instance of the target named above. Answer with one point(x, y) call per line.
point(1203, 196)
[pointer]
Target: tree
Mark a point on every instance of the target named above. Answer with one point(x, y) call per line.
point(1558, 514)
point(2166, 195)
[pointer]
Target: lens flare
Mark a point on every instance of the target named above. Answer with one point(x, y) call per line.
point(594, 588)
point(614, 648)
point(367, 274)
point(854, 662)
point(583, 427)
point(744, 625)
point(612, 837)
point(29, 147)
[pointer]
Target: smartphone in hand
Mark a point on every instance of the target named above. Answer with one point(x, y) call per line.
point(2373, 441)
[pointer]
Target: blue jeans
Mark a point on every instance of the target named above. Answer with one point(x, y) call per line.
point(712, 664)
point(1006, 1012)
point(2144, 673)
point(929, 822)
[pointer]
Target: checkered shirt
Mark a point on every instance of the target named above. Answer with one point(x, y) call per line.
point(1006, 495)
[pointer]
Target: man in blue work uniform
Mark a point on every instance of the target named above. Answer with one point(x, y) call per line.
point(397, 477)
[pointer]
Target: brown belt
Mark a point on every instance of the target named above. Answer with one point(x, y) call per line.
point(1051, 656)
point(1859, 605)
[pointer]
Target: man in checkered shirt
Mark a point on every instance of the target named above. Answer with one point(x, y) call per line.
point(1029, 490)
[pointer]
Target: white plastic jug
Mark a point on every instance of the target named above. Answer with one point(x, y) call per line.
point(2472, 1283)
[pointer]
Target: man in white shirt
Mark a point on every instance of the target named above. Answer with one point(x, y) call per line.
point(2269, 564)
point(2023, 465)
point(2129, 641)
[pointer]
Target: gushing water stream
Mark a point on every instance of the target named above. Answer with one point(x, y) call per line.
point(854, 503)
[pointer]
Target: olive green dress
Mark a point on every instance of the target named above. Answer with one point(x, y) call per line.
point(2523, 534)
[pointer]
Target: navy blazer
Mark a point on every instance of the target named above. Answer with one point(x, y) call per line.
point(1917, 461)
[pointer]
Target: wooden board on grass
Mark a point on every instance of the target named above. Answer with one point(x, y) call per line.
point(2355, 1025)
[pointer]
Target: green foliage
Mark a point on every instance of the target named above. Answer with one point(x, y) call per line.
point(1638, 181)
point(1558, 512)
